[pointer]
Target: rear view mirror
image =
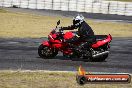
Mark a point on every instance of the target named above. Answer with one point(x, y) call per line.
point(58, 22)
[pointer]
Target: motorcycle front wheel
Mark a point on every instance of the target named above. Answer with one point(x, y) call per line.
point(46, 52)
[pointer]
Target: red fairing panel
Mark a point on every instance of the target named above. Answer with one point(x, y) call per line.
point(68, 35)
point(57, 43)
point(54, 36)
point(102, 42)
point(45, 43)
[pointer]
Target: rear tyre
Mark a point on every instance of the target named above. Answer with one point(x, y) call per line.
point(99, 59)
point(102, 57)
point(46, 52)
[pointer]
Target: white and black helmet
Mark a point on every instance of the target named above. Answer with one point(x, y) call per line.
point(78, 20)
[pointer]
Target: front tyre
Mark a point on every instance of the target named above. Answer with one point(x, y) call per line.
point(46, 52)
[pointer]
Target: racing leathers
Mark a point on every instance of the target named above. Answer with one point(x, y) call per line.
point(84, 31)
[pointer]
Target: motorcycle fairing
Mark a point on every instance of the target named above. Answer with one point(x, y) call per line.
point(102, 42)
point(68, 35)
point(56, 44)
point(45, 43)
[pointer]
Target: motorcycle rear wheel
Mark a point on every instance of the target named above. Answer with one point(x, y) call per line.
point(46, 52)
point(99, 59)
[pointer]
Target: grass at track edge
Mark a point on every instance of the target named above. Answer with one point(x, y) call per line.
point(24, 25)
point(47, 79)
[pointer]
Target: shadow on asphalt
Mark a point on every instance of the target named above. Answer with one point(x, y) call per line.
point(65, 58)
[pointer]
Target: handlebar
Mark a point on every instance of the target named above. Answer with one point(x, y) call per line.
point(60, 29)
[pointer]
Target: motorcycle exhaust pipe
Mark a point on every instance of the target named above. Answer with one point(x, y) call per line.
point(103, 53)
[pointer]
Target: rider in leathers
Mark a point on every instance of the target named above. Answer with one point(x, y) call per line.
point(84, 31)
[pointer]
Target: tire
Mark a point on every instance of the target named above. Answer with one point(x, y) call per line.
point(46, 52)
point(81, 80)
point(99, 59)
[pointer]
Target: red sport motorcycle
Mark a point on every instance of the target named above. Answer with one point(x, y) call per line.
point(57, 41)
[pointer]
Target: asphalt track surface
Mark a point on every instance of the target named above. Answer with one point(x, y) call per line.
point(22, 54)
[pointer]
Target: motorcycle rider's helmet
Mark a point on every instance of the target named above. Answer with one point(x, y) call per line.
point(78, 20)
